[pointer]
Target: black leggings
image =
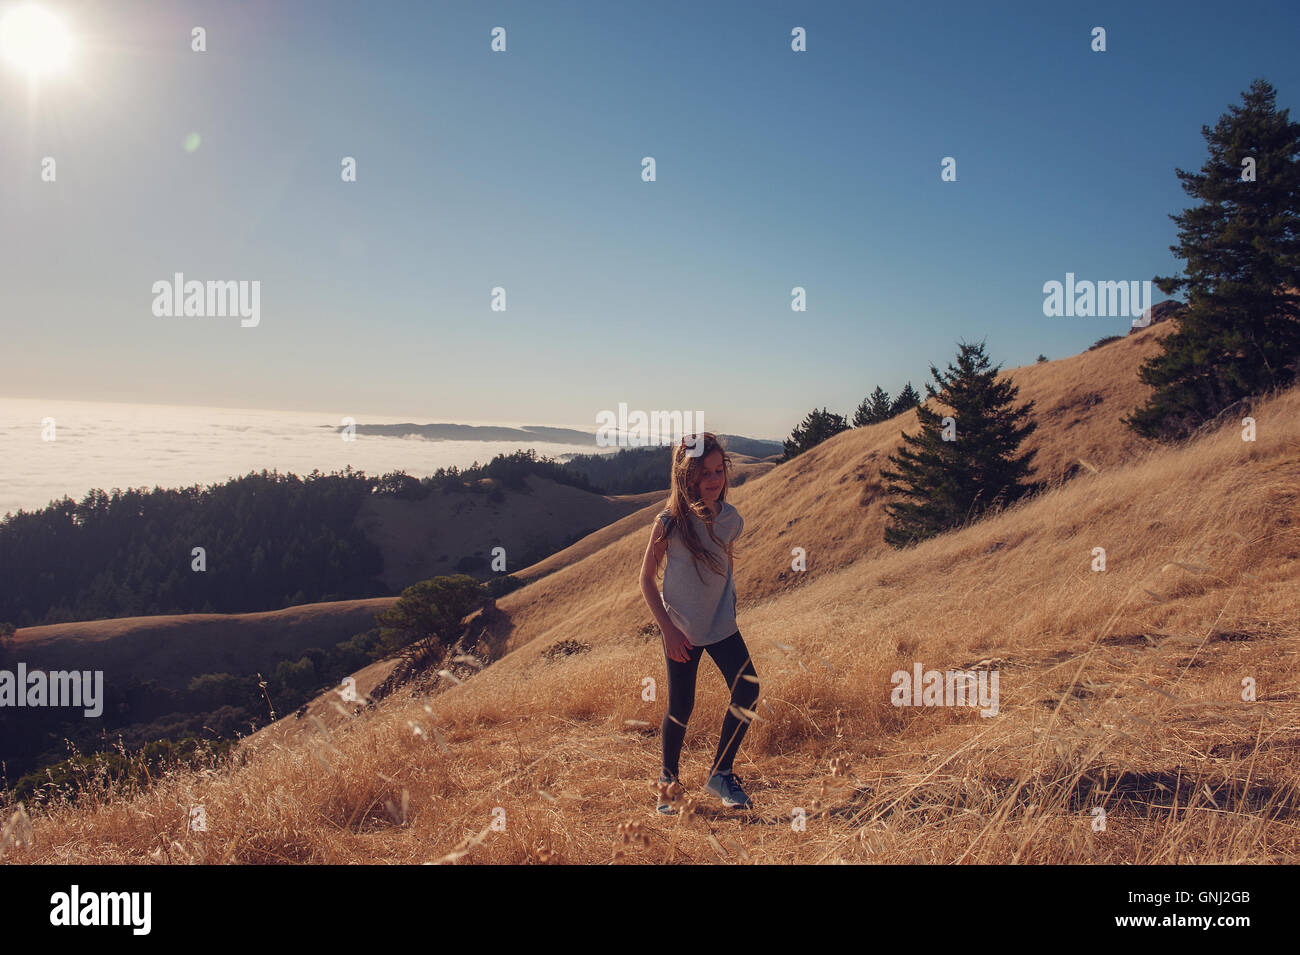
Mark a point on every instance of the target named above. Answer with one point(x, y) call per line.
point(732, 657)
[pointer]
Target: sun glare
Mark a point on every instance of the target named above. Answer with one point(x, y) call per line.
point(35, 40)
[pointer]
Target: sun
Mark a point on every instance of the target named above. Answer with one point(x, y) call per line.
point(35, 40)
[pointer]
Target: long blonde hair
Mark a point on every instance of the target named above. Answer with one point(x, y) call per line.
point(684, 498)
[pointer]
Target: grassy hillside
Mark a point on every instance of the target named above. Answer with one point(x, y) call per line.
point(173, 649)
point(452, 533)
point(1119, 690)
point(829, 500)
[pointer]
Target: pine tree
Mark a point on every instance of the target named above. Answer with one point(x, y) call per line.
point(952, 481)
point(427, 615)
point(816, 428)
point(863, 414)
point(907, 400)
point(1240, 334)
point(874, 408)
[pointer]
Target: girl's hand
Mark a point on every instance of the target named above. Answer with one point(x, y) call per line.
point(677, 645)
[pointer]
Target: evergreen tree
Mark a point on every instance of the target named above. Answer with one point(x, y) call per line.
point(952, 481)
point(426, 617)
point(863, 413)
point(881, 406)
point(874, 408)
point(907, 400)
point(1240, 334)
point(816, 428)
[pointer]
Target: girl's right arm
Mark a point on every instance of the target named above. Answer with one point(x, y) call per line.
point(676, 643)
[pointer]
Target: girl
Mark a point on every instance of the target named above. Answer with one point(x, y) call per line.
point(696, 610)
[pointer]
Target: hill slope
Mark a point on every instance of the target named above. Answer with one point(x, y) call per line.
point(830, 500)
point(175, 648)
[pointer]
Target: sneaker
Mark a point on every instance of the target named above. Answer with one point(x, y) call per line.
point(727, 786)
point(670, 790)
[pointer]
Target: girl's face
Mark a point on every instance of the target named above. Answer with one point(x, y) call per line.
point(713, 477)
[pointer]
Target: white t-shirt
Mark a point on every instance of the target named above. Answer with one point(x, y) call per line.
point(704, 609)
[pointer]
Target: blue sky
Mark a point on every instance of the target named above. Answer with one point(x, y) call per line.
point(522, 169)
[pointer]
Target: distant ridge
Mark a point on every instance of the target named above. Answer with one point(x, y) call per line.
point(474, 432)
point(535, 433)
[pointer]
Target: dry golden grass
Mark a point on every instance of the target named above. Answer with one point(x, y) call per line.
point(175, 648)
point(1119, 689)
